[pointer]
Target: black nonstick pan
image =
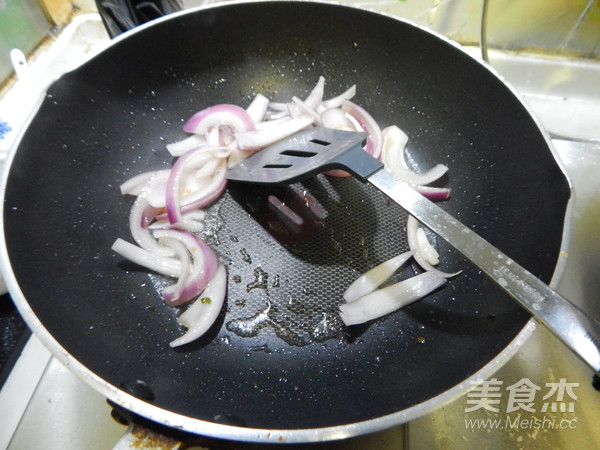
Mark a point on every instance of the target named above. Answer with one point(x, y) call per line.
point(299, 375)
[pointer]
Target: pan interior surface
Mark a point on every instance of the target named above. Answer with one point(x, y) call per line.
point(278, 358)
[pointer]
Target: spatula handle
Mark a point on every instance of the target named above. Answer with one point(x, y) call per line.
point(579, 331)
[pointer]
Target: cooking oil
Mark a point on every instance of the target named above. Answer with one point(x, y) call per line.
point(261, 279)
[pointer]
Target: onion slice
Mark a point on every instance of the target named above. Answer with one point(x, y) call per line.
point(393, 158)
point(336, 102)
point(203, 313)
point(432, 192)
point(141, 216)
point(423, 250)
point(231, 116)
point(184, 257)
point(375, 139)
point(252, 140)
point(136, 184)
point(190, 221)
point(156, 188)
point(389, 299)
point(175, 181)
point(376, 276)
point(304, 109)
point(160, 264)
point(180, 147)
point(202, 270)
point(258, 108)
point(175, 198)
point(167, 213)
point(315, 98)
point(337, 119)
point(200, 200)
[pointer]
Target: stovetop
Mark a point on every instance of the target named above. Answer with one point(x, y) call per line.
point(14, 333)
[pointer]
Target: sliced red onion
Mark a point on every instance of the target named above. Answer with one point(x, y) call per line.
point(349, 123)
point(336, 118)
point(203, 268)
point(419, 242)
point(423, 250)
point(375, 277)
point(394, 145)
point(278, 106)
point(180, 147)
point(156, 188)
point(294, 110)
point(174, 197)
point(266, 124)
point(183, 255)
point(392, 156)
point(231, 116)
point(275, 115)
point(157, 197)
point(258, 108)
point(202, 314)
point(236, 156)
point(432, 192)
point(140, 217)
point(208, 192)
point(191, 221)
point(160, 264)
point(252, 140)
point(429, 253)
point(389, 299)
point(225, 134)
point(195, 165)
point(200, 201)
point(213, 137)
point(336, 102)
point(211, 195)
point(315, 97)
point(136, 184)
point(208, 168)
point(277, 111)
point(304, 109)
point(375, 140)
point(357, 125)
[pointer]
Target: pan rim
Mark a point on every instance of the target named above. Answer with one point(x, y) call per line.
point(179, 421)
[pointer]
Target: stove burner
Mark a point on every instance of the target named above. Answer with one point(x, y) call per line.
point(13, 336)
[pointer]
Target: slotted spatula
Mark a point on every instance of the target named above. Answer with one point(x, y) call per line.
point(315, 150)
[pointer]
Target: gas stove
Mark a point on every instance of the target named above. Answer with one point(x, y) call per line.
point(45, 406)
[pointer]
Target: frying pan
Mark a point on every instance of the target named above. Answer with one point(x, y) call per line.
point(298, 376)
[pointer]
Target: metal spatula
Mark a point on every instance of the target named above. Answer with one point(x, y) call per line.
point(319, 149)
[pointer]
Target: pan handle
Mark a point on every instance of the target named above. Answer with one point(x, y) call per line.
point(119, 16)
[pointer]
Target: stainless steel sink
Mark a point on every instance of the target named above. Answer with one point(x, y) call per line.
point(542, 358)
point(564, 95)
